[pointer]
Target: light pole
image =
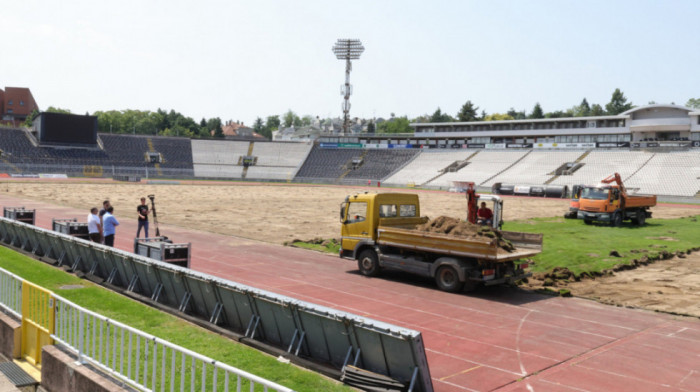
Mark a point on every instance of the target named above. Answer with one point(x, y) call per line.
point(347, 49)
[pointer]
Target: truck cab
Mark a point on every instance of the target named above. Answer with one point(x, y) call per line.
point(361, 214)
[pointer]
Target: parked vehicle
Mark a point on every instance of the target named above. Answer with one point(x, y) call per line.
point(612, 203)
point(379, 231)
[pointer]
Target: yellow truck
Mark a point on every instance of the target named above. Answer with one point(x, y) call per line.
point(378, 230)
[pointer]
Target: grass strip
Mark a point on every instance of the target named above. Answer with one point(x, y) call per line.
point(163, 325)
point(587, 248)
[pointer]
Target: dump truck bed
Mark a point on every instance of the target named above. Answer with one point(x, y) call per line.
point(640, 201)
point(526, 244)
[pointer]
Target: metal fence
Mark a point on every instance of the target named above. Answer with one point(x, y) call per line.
point(11, 293)
point(303, 329)
point(139, 359)
point(145, 361)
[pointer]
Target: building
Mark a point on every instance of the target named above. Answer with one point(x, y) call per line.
point(659, 124)
point(16, 104)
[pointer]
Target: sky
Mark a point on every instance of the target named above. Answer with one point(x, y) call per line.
point(239, 60)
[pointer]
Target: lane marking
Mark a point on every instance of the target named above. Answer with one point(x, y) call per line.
point(457, 374)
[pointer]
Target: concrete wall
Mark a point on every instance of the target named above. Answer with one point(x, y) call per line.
point(10, 336)
point(60, 373)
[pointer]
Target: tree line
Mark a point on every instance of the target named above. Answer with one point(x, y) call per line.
point(145, 122)
point(173, 123)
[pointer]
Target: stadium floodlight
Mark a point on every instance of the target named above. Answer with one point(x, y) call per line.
point(347, 49)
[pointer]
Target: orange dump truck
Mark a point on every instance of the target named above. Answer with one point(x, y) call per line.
point(609, 202)
point(378, 230)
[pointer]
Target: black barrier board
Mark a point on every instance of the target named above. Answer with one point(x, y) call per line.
point(613, 145)
point(476, 145)
point(324, 335)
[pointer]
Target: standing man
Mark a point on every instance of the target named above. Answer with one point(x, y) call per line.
point(103, 211)
point(143, 212)
point(94, 226)
point(110, 224)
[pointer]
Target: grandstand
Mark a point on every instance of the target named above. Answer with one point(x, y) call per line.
point(426, 166)
point(337, 164)
point(277, 161)
point(536, 167)
point(482, 167)
point(663, 170)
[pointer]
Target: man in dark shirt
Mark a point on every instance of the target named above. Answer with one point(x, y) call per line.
point(105, 205)
point(485, 215)
point(143, 212)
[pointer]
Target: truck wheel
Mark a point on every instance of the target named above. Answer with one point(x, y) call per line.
point(588, 221)
point(447, 279)
point(368, 263)
point(641, 218)
point(616, 219)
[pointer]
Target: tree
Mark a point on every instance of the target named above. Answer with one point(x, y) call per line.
point(307, 120)
point(438, 116)
point(290, 118)
point(468, 112)
point(557, 114)
point(693, 103)
point(219, 132)
point(29, 121)
point(517, 115)
point(52, 109)
point(371, 127)
point(582, 110)
point(272, 123)
point(597, 110)
point(537, 111)
point(259, 127)
point(395, 125)
point(618, 103)
point(498, 117)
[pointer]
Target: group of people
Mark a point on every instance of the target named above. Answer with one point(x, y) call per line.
point(102, 225)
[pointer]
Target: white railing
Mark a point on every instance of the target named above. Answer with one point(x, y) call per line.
point(11, 293)
point(145, 361)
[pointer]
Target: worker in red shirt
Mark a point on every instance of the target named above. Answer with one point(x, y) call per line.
point(485, 215)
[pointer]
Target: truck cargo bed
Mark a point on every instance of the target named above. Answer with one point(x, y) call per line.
point(526, 244)
point(640, 201)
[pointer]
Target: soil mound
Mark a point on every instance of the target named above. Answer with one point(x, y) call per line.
point(458, 228)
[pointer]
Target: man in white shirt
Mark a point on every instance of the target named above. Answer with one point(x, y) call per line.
point(94, 226)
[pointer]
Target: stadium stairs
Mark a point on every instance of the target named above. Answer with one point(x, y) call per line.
point(640, 167)
point(456, 164)
point(578, 160)
point(503, 171)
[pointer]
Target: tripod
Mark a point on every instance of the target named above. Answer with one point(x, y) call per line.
point(155, 216)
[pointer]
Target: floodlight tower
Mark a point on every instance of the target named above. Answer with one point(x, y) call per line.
point(347, 49)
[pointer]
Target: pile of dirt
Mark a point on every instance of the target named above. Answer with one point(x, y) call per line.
point(458, 228)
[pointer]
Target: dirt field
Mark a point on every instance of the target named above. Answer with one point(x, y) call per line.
point(271, 213)
point(667, 286)
point(279, 213)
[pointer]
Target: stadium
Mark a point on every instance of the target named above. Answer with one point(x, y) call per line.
point(643, 145)
point(235, 202)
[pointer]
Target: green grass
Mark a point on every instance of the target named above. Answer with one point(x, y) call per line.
point(585, 248)
point(332, 246)
point(163, 325)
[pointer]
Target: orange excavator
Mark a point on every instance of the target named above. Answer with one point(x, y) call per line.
point(610, 202)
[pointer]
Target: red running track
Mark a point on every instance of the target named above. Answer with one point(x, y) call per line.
point(499, 339)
